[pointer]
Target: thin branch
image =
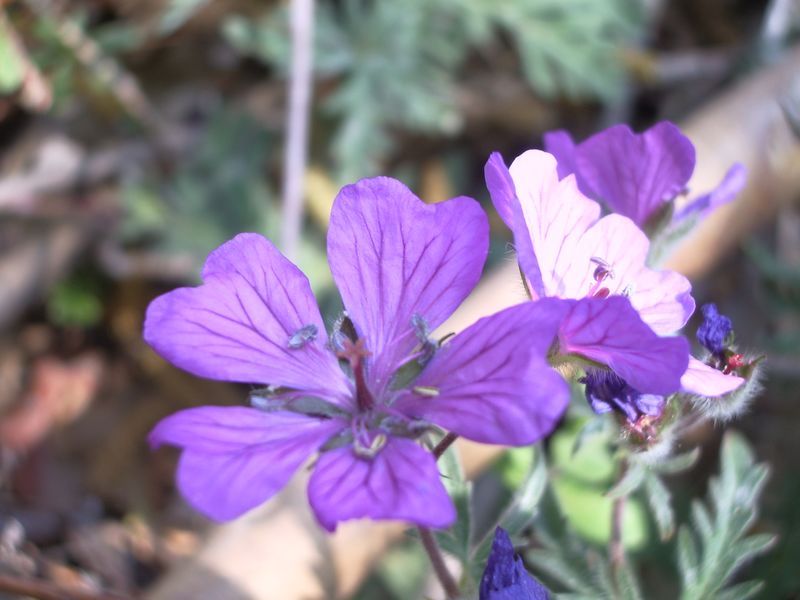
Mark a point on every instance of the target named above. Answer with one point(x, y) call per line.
point(437, 561)
point(302, 23)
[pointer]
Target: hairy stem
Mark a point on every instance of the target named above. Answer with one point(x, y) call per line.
point(437, 561)
point(616, 548)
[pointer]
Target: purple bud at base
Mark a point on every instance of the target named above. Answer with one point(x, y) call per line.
point(715, 330)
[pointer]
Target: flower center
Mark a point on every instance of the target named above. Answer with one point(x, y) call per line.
point(355, 353)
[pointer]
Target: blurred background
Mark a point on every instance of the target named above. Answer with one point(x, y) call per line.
point(136, 136)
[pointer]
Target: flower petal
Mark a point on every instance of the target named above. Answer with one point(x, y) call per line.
point(236, 458)
point(401, 482)
point(611, 332)
point(238, 325)
point(559, 143)
point(393, 256)
point(504, 197)
point(493, 382)
point(555, 217)
point(635, 174)
point(707, 381)
point(662, 298)
point(730, 186)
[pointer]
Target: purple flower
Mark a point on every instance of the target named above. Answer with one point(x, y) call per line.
point(605, 391)
point(716, 376)
point(637, 174)
point(362, 397)
point(715, 330)
point(505, 577)
point(567, 251)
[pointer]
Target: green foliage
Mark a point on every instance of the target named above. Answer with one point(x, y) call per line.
point(12, 64)
point(76, 302)
point(717, 544)
point(581, 571)
point(457, 539)
point(178, 12)
point(396, 64)
point(215, 193)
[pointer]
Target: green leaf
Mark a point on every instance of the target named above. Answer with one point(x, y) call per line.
point(741, 591)
point(520, 512)
point(687, 557)
point(178, 12)
point(677, 464)
point(12, 64)
point(630, 482)
point(721, 524)
point(659, 499)
point(456, 540)
point(627, 584)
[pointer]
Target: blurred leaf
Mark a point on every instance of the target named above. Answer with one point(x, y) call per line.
point(519, 513)
point(177, 13)
point(12, 63)
point(456, 540)
point(589, 512)
point(396, 65)
point(710, 555)
point(591, 460)
point(659, 499)
point(630, 482)
point(75, 302)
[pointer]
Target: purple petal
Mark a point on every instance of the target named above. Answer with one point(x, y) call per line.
point(236, 458)
point(493, 381)
point(610, 331)
point(555, 216)
point(662, 298)
point(505, 577)
point(707, 381)
point(504, 198)
point(559, 143)
point(730, 186)
point(400, 483)
point(238, 325)
point(635, 174)
point(393, 256)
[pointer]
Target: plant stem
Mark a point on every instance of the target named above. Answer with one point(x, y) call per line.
point(302, 27)
point(429, 540)
point(616, 547)
point(444, 444)
point(437, 561)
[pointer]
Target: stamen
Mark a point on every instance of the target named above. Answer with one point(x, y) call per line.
point(369, 451)
point(602, 272)
point(304, 335)
point(426, 390)
point(354, 353)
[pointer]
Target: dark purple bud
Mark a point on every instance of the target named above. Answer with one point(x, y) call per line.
point(714, 330)
point(607, 391)
point(505, 577)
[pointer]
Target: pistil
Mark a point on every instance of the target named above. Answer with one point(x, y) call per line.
point(355, 353)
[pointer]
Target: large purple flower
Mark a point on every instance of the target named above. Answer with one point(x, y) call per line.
point(363, 396)
point(637, 174)
point(567, 251)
